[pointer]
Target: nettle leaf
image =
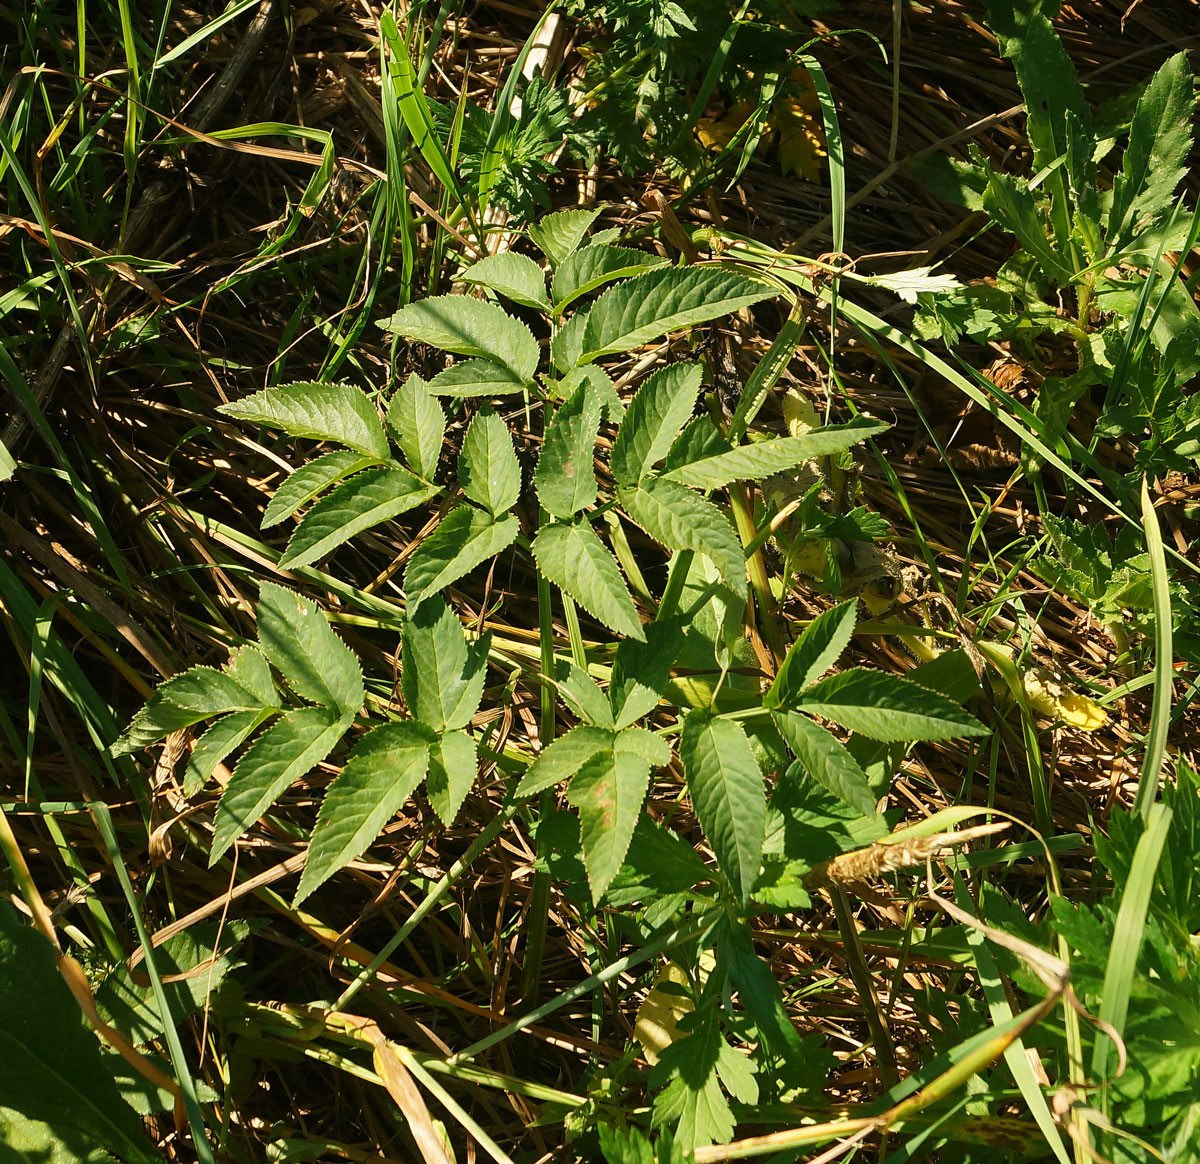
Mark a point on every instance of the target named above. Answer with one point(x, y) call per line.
point(826, 760)
point(885, 707)
point(591, 267)
point(222, 739)
point(363, 501)
point(487, 468)
point(812, 654)
point(642, 309)
point(761, 459)
point(322, 412)
point(452, 767)
point(441, 677)
point(464, 539)
point(418, 424)
point(657, 412)
point(565, 477)
point(477, 378)
point(289, 749)
point(642, 670)
point(382, 772)
point(608, 790)
point(582, 693)
point(558, 234)
point(469, 327)
point(564, 757)
point(726, 787)
point(680, 520)
point(309, 480)
point(516, 277)
point(575, 559)
point(298, 640)
point(566, 345)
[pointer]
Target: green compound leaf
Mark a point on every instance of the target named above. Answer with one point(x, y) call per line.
point(813, 653)
point(322, 412)
point(516, 277)
point(587, 269)
point(660, 409)
point(726, 786)
point(487, 468)
point(565, 477)
point(642, 670)
point(469, 327)
point(575, 559)
point(681, 520)
point(363, 501)
point(566, 345)
point(441, 677)
point(381, 773)
point(476, 378)
point(642, 309)
point(309, 480)
point(289, 749)
point(298, 640)
point(452, 767)
point(885, 707)
point(418, 424)
point(761, 459)
point(558, 234)
point(564, 757)
point(465, 538)
point(223, 738)
point(51, 1066)
point(826, 760)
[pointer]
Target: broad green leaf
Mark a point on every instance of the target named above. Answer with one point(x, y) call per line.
point(566, 345)
point(288, 750)
point(642, 669)
point(516, 277)
point(574, 558)
point(487, 467)
point(565, 476)
point(380, 775)
point(1011, 203)
point(693, 1100)
point(826, 760)
point(582, 693)
point(761, 459)
point(726, 787)
point(564, 757)
point(322, 412)
point(812, 654)
point(452, 769)
point(657, 412)
point(469, 327)
point(601, 385)
point(609, 790)
point(309, 480)
point(51, 1066)
point(365, 500)
point(680, 520)
point(465, 538)
point(642, 309)
point(885, 707)
point(223, 738)
point(298, 640)
point(585, 270)
point(441, 676)
point(477, 378)
point(558, 234)
point(418, 424)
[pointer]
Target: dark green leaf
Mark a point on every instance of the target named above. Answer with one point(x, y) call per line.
point(658, 411)
point(812, 654)
point(558, 234)
point(476, 378)
point(418, 424)
point(515, 276)
point(642, 669)
point(309, 480)
point(826, 760)
point(564, 757)
point(565, 477)
point(487, 468)
point(465, 538)
point(587, 269)
point(441, 677)
point(452, 769)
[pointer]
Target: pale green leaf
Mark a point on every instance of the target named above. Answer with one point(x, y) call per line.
point(566, 345)
point(666, 299)
point(558, 234)
point(488, 471)
point(365, 500)
point(657, 412)
point(812, 654)
point(298, 640)
point(565, 477)
point(582, 693)
point(469, 327)
point(680, 520)
point(602, 387)
point(476, 378)
point(288, 750)
point(726, 787)
point(309, 480)
point(826, 761)
point(219, 741)
point(322, 412)
point(249, 667)
point(885, 707)
point(574, 558)
point(564, 757)
point(516, 277)
point(761, 459)
point(441, 676)
point(591, 267)
point(380, 775)
point(641, 670)
point(465, 538)
point(418, 424)
point(452, 768)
